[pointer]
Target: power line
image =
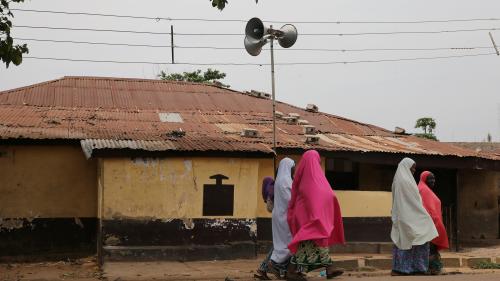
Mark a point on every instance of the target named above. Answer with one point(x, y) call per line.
point(241, 34)
point(270, 21)
point(92, 43)
point(91, 29)
point(260, 64)
point(241, 48)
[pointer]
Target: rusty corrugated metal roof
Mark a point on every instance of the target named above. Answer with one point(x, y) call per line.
point(127, 113)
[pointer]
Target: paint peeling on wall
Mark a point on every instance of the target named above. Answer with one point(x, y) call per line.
point(11, 224)
point(252, 227)
point(188, 223)
point(112, 240)
point(79, 222)
point(15, 223)
point(188, 164)
point(146, 162)
point(221, 223)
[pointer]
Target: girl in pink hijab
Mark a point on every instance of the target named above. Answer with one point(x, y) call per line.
point(314, 219)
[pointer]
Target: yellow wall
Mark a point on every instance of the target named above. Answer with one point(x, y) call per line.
point(365, 203)
point(47, 182)
point(167, 188)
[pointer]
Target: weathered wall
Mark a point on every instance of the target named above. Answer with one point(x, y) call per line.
point(152, 203)
point(47, 182)
point(477, 206)
point(169, 188)
point(48, 199)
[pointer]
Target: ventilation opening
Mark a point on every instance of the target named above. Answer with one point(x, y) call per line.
point(312, 108)
point(249, 133)
point(309, 130)
point(312, 139)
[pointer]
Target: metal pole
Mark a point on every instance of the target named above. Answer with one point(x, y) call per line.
point(172, 42)
point(274, 102)
point(494, 45)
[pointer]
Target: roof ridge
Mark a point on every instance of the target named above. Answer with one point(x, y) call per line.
point(31, 86)
point(139, 80)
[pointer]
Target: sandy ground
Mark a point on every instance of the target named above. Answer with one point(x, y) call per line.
point(482, 252)
point(241, 270)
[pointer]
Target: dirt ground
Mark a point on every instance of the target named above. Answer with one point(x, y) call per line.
point(493, 251)
point(236, 270)
point(87, 270)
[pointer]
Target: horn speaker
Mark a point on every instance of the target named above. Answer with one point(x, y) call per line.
point(255, 36)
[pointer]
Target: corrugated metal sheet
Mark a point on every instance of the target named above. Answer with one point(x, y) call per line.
point(118, 113)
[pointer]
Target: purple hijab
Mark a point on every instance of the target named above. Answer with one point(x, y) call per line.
point(268, 188)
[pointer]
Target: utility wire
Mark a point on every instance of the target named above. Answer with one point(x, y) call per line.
point(272, 21)
point(241, 34)
point(241, 48)
point(260, 64)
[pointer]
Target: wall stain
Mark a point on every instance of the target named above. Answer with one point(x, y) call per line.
point(112, 240)
point(15, 223)
point(79, 222)
point(188, 223)
point(252, 227)
point(11, 224)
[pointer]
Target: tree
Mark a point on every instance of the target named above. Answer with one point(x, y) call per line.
point(427, 124)
point(9, 53)
point(221, 4)
point(211, 76)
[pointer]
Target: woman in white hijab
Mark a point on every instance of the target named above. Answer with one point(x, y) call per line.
point(412, 227)
point(281, 232)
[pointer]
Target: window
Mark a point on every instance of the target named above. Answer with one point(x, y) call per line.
point(342, 174)
point(218, 198)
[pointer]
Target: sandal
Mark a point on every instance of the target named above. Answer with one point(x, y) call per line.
point(271, 269)
point(332, 272)
point(261, 275)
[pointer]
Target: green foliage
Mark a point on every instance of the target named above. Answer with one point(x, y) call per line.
point(221, 4)
point(486, 265)
point(427, 136)
point(9, 53)
point(428, 125)
point(211, 76)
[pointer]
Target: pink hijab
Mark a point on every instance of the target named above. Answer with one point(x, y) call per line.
point(433, 206)
point(313, 211)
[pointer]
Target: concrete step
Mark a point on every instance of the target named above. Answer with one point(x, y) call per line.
point(385, 262)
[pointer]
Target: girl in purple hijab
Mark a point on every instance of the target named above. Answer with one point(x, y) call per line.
point(268, 197)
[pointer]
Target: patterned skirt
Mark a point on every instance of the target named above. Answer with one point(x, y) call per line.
point(435, 263)
point(412, 261)
point(310, 257)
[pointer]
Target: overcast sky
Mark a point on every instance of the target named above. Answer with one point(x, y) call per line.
point(462, 94)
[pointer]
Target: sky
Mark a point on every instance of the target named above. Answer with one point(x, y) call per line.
point(461, 94)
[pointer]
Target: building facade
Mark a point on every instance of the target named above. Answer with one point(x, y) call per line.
point(148, 169)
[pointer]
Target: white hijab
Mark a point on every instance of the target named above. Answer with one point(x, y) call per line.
point(282, 194)
point(411, 224)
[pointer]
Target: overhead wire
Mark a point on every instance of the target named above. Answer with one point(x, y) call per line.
point(238, 20)
point(241, 48)
point(261, 64)
point(242, 34)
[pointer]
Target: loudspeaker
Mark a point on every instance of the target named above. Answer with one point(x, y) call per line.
point(257, 35)
point(289, 36)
